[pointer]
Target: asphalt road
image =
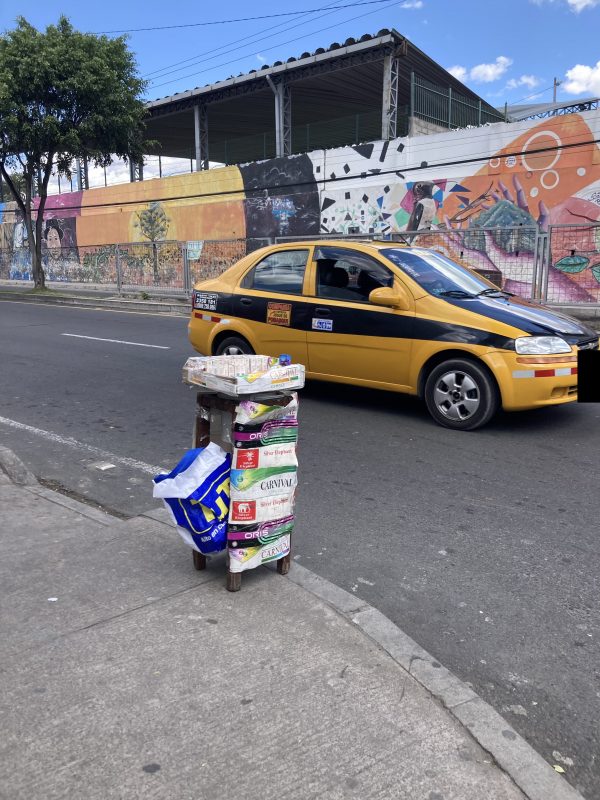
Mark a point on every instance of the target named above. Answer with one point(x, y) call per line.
point(482, 546)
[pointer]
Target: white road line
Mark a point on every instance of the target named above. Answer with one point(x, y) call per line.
point(82, 446)
point(116, 341)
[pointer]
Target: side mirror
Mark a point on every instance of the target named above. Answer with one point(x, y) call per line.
point(392, 297)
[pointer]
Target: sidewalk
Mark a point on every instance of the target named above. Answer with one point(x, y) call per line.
point(175, 303)
point(147, 301)
point(127, 674)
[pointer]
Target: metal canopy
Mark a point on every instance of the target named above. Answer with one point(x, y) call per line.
point(542, 110)
point(337, 96)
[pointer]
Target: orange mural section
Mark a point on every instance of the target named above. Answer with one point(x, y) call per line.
point(540, 172)
point(201, 205)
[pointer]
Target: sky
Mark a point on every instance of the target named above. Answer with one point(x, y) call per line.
point(506, 52)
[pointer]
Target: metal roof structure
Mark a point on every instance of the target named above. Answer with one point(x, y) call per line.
point(344, 94)
point(542, 110)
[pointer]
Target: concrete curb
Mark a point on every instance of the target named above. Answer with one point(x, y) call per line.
point(15, 469)
point(529, 771)
point(17, 473)
point(147, 306)
point(588, 315)
point(526, 767)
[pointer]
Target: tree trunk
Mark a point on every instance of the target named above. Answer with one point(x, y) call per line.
point(155, 263)
point(39, 276)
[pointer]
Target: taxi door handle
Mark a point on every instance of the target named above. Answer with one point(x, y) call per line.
point(323, 312)
point(245, 301)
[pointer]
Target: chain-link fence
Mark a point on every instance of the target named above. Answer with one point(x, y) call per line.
point(160, 267)
point(561, 266)
point(505, 256)
point(572, 266)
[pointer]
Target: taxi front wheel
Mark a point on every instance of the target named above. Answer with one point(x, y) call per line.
point(234, 346)
point(460, 394)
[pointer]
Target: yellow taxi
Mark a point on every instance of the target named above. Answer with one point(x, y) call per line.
point(405, 319)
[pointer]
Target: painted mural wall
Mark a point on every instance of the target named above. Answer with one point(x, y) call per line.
point(486, 177)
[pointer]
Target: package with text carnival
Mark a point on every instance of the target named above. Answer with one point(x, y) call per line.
point(263, 483)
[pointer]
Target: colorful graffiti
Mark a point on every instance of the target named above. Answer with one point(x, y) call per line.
point(532, 175)
point(282, 197)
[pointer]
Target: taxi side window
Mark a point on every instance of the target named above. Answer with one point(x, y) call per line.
point(349, 274)
point(279, 272)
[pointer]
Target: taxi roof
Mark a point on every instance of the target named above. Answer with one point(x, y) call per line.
point(344, 242)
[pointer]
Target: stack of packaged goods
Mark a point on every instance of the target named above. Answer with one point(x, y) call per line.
point(263, 483)
point(243, 374)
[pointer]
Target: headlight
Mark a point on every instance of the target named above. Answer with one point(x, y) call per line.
point(541, 345)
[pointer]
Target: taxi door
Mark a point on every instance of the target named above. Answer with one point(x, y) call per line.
point(270, 299)
point(348, 337)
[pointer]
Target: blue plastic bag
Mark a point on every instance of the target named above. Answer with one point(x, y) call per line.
point(196, 493)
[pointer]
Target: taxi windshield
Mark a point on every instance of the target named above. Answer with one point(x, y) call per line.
point(435, 273)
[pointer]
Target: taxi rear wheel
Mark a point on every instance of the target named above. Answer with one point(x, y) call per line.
point(460, 394)
point(234, 346)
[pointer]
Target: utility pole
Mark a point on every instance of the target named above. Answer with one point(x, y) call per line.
point(557, 83)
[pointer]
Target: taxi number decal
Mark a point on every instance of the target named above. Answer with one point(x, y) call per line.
point(205, 301)
point(322, 324)
point(279, 314)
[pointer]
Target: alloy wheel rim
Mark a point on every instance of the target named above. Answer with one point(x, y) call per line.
point(457, 395)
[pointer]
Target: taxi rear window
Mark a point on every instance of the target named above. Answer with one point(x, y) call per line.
point(279, 272)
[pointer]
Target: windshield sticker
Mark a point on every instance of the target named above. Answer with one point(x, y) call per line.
point(407, 268)
point(279, 314)
point(322, 324)
point(205, 301)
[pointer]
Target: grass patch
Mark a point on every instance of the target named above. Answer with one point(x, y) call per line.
point(41, 291)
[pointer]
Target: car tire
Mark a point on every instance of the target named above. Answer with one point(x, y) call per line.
point(461, 394)
point(233, 346)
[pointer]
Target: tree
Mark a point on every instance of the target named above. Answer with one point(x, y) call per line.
point(63, 95)
point(19, 184)
point(153, 224)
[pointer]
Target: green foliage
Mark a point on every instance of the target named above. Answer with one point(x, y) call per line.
point(68, 93)
point(18, 182)
point(153, 222)
point(64, 95)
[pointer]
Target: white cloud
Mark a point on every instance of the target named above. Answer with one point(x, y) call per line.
point(261, 58)
point(412, 4)
point(525, 80)
point(460, 73)
point(486, 73)
point(580, 5)
point(574, 5)
point(483, 73)
point(583, 80)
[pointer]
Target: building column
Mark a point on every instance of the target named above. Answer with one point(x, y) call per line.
point(201, 137)
point(136, 171)
point(283, 117)
point(81, 167)
point(389, 114)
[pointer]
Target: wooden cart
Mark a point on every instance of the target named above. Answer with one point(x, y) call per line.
point(207, 401)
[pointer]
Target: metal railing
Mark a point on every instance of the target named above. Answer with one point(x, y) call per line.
point(323, 134)
point(561, 266)
point(446, 108)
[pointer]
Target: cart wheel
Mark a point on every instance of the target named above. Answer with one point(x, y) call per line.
point(283, 564)
point(199, 560)
point(234, 581)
